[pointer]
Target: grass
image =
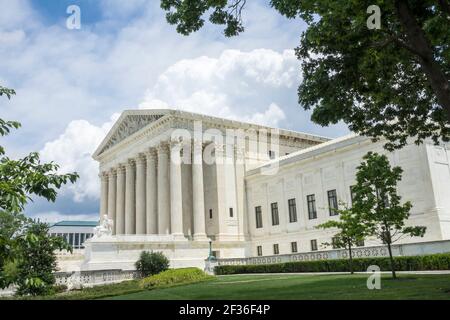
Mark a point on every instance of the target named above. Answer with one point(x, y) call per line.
point(293, 287)
point(275, 286)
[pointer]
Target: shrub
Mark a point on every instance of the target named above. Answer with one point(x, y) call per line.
point(174, 277)
point(409, 263)
point(151, 263)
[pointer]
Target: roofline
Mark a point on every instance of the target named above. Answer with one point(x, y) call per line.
point(177, 112)
point(311, 152)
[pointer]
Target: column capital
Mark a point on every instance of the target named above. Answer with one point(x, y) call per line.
point(140, 159)
point(163, 148)
point(113, 171)
point(120, 168)
point(130, 164)
point(104, 175)
point(151, 154)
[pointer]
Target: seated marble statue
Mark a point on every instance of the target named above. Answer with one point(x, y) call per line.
point(105, 227)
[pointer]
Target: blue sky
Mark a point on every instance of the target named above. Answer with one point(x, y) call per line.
point(72, 84)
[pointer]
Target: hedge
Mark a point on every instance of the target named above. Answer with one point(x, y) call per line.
point(174, 277)
point(409, 263)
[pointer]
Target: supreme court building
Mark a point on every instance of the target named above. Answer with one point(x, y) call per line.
point(173, 181)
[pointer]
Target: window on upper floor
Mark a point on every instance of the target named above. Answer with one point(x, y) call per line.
point(312, 212)
point(210, 214)
point(332, 202)
point(275, 217)
point(271, 154)
point(231, 213)
point(258, 216)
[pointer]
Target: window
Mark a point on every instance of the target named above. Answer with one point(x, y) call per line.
point(275, 218)
point(259, 250)
point(332, 203)
point(271, 154)
point(334, 243)
point(276, 249)
point(313, 245)
point(312, 212)
point(294, 247)
point(82, 238)
point(360, 243)
point(231, 213)
point(258, 213)
point(77, 240)
point(210, 213)
point(71, 239)
point(292, 210)
point(385, 198)
point(352, 194)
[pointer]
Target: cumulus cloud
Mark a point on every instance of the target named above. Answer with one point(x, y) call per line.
point(73, 151)
point(229, 86)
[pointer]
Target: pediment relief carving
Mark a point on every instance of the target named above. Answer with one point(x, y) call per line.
point(130, 125)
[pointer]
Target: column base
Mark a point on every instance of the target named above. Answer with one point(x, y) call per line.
point(200, 237)
point(178, 237)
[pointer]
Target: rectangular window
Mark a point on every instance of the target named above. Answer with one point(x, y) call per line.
point(314, 245)
point(71, 239)
point(292, 210)
point(385, 198)
point(312, 212)
point(294, 247)
point(82, 239)
point(210, 213)
point(271, 154)
point(332, 203)
point(352, 194)
point(258, 213)
point(276, 249)
point(334, 243)
point(275, 217)
point(259, 250)
point(231, 213)
point(360, 243)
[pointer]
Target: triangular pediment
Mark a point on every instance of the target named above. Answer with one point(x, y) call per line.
point(128, 124)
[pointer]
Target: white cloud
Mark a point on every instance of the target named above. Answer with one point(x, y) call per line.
point(73, 151)
point(229, 86)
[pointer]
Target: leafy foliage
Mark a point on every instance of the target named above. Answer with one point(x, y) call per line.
point(151, 263)
point(351, 230)
point(377, 203)
point(174, 277)
point(37, 260)
point(391, 82)
point(26, 250)
point(408, 263)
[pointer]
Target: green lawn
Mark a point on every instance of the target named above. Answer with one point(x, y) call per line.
point(302, 287)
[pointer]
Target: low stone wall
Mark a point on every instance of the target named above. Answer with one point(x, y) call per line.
point(410, 249)
point(93, 278)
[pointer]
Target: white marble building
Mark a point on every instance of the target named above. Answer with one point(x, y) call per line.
point(251, 189)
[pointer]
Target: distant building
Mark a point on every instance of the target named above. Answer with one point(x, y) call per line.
point(74, 232)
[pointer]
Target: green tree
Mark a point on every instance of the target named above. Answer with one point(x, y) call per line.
point(151, 263)
point(351, 231)
point(376, 202)
point(392, 82)
point(37, 260)
point(20, 179)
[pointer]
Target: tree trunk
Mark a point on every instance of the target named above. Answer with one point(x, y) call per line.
point(418, 41)
point(391, 258)
point(350, 258)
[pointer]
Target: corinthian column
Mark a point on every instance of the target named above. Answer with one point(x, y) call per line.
point(151, 194)
point(120, 203)
point(163, 189)
point(130, 199)
point(140, 195)
point(197, 191)
point(103, 194)
point(112, 196)
point(176, 203)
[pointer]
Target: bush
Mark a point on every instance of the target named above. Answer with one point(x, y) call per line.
point(175, 277)
point(151, 263)
point(410, 263)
